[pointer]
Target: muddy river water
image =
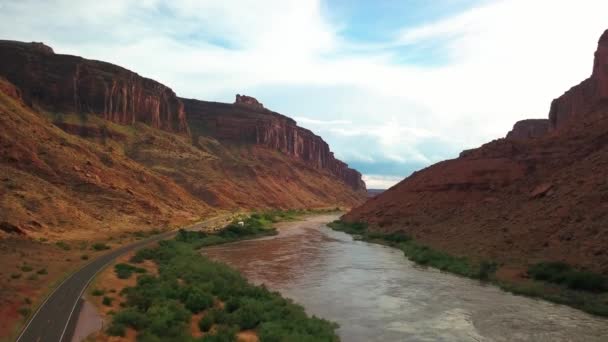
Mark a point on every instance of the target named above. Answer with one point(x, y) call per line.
point(376, 294)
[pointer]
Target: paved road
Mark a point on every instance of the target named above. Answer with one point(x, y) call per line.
point(50, 322)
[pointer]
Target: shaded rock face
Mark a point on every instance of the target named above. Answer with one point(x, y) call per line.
point(540, 194)
point(63, 83)
point(256, 125)
point(529, 129)
point(586, 97)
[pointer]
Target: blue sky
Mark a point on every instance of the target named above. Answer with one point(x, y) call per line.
point(393, 86)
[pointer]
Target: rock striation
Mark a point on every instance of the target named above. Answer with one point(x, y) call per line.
point(247, 121)
point(64, 83)
point(69, 84)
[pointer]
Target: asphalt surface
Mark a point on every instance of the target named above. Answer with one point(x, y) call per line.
point(50, 323)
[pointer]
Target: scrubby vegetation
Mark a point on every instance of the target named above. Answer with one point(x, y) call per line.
point(553, 281)
point(161, 307)
point(563, 274)
point(100, 246)
point(420, 254)
point(124, 271)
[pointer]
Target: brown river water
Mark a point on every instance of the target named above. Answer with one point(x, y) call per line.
point(376, 294)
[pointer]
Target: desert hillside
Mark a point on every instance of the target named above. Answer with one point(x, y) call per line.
point(539, 194)
point(90, 147)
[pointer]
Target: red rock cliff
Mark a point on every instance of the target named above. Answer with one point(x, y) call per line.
point(528, 129)
point(250, 122)
point(67, 83)
point(587, 96)
point(538, 195)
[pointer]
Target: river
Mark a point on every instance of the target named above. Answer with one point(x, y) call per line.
point(376, 294)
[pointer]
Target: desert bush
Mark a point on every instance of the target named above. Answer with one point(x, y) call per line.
point(26, 268)
point(98, 292)
point(25, 311)
point(63, 245)
point(206, 323)
point(198, 300)
point(100, 246)
point(116, 329)
point(106, 301)
point(563, 274)
point(124, 271)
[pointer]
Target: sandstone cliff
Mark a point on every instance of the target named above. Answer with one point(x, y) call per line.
point(247, 121)
point(540, 194)
point(63, 83)
point(589, 95)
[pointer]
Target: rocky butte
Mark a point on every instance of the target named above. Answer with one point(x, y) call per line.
point(540, 194)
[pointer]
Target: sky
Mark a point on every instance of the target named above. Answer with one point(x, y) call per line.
point(392, 86)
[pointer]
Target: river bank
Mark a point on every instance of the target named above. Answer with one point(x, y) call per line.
point(582, 290)
point(375, 294)
point(170, 291)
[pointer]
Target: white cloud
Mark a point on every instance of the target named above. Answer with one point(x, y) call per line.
point(503, 61)
point(380, 181)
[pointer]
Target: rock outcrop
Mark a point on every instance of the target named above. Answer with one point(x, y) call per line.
point(529, 129)
point(248, 122)
point(64, 83)
point(248, 101)
point(540, 194)
point(586, 97)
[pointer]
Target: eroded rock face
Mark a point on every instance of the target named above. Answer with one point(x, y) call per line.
point(63, 83)
point(248, 101)
point(529, 129)
point(263, 127)
point(587, 96)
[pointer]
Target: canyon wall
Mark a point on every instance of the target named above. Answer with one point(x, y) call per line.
point(247, 121)
point(540, 194)
point(587, 96)
point(64, 83)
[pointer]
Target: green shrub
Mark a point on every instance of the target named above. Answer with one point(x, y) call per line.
point(16, 275)
point(563, 274)
point(24, 311)
point(224, 333)
point(486, 270)
point(42, 271)
point(249, 315)
point(26, 268)
point(206, 323)
point(106, 301)
point(84, 257)
point(124, 271)
point(32, 276)
point(63, 245)
point(100, 246)
point(131, 317)
point(116, 329)
point(198, 300)
point(98, 292)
